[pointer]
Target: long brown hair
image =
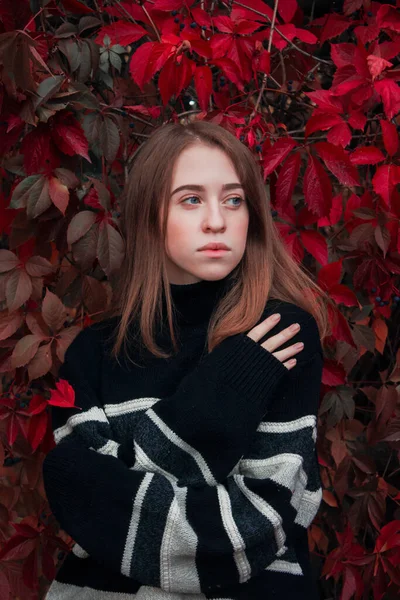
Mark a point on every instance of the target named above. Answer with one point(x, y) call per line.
point(266, 270)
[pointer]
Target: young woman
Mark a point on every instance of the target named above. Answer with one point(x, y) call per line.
point(187, 467)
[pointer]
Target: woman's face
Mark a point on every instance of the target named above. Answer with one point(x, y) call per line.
point(199, 216)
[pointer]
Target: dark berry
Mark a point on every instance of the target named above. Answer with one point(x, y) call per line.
point(373, 290)
point(131, 125)
point(381, 303)
point(181, 26)
point(242, 138)
point(193, 25)
point(176, 20)
point(396, 298)
point(258, 148)
point(378, 299)
point(274, 213)
point(290, 81)
point(386, 302)
point(369, 13)
point(174, 12)
point(204, 27)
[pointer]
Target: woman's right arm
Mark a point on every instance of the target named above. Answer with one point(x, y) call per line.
point(147, 525)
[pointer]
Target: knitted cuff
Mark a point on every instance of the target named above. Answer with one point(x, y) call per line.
point(248, 367)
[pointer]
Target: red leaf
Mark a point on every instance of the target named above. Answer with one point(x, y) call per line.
point(18, 289)
point(63, 395)
point(8, 261)
point(342, 54)
point(341, 294)
point(37, 147)
point(324, 99)
point(388, 17)
point(203, 85)
point(9, 324)
point(167, 5)
point(53, 311)
point(315, 243)
point(110, 248)
point(230, 70)
point(367, 34)
point(175, 76)
point(287, 9)
point(384, 181)
point(41, 362)
point(352, 583)
point(338, 163)
point(264, 62)
point(317, 188)
point(277, 154)
point(330, 274)
point(69, 136)
point(334, 26)
point(287, 179)
point(357, 120)
point(322, 121)
point(25, 349)
point(224, 24)
point(351, 6)
point(59, 194)
point(390, 137)
point(306, 36)
point(138, 67)
point(339, 135)
point(366, 155)
point(120, 32)
point(289, 31)
point(80, 225)
point(377, 64)
point(77, 8)
point(390, 94)
point(388, 536)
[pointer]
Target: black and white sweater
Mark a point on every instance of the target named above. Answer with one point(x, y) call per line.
point(189, 477)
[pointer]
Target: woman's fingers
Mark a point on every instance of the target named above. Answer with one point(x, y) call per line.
point(278, 340)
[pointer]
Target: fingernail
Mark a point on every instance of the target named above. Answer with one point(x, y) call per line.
point(276, 317)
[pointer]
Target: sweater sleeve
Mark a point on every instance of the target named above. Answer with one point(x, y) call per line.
point(200, 433)
point(189, 538)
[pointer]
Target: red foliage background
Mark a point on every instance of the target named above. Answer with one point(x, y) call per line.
point(313, 91)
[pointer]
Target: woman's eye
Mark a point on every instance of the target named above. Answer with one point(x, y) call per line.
point(190, 197)
point(235, 198)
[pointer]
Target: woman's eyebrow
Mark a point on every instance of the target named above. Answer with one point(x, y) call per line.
point(201, 188)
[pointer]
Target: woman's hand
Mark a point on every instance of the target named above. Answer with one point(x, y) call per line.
point(277, 340)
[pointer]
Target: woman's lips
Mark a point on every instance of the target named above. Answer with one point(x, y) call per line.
point(215, 253)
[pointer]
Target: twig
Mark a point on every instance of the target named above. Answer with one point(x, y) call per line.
point(282, 61)
point(265, 76)
point(322, 60)
point(129, 16)
point(132, 116)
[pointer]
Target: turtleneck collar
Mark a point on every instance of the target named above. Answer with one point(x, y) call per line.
point(195, 302)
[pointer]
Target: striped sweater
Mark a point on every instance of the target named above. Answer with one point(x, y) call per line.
point(189, 477)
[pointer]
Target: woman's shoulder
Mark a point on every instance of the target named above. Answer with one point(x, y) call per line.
point(287, 310)
point(96, 333)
